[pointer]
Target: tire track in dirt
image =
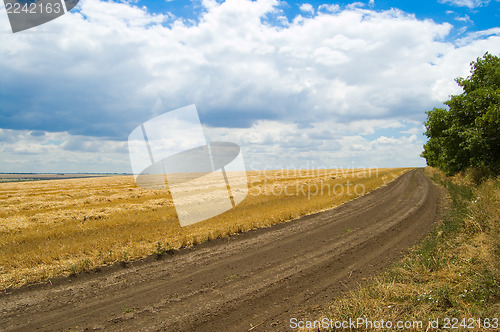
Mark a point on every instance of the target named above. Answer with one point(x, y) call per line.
point(259, 279)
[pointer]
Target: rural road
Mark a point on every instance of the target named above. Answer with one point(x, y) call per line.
point(258, 279)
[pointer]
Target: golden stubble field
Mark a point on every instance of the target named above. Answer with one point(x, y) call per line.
point(61, 227)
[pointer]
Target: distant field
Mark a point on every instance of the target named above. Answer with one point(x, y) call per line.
point(57, 227)
point(23, 177)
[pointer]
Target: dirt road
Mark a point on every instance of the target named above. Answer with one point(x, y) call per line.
point(260, 279)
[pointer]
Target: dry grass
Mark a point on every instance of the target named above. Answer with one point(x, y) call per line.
point(59, 227)
point(454, 272)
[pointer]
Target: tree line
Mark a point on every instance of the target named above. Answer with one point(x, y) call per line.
point(466, 134)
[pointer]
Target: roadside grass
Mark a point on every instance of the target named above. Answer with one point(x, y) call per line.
point(64, 227)
point(453, 273)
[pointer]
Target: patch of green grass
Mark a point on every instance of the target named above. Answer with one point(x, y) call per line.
point(125, 309)
point(162, 249)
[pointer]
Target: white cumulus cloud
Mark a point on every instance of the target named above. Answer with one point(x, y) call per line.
point(307, 7)
point(467, 3)
point(310, 89)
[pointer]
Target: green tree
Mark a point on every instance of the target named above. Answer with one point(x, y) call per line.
point(467, 133)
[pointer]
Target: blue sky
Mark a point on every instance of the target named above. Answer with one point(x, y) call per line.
point(471, 14)
point(294, 83)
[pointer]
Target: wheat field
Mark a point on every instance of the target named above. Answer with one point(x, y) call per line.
point(61, 227)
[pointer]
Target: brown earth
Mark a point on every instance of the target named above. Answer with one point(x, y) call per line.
point(255, 281)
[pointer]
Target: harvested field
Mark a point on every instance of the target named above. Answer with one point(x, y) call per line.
point(62, 227)
point(255, 281)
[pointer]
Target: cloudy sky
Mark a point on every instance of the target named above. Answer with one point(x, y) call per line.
point(294, 83)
